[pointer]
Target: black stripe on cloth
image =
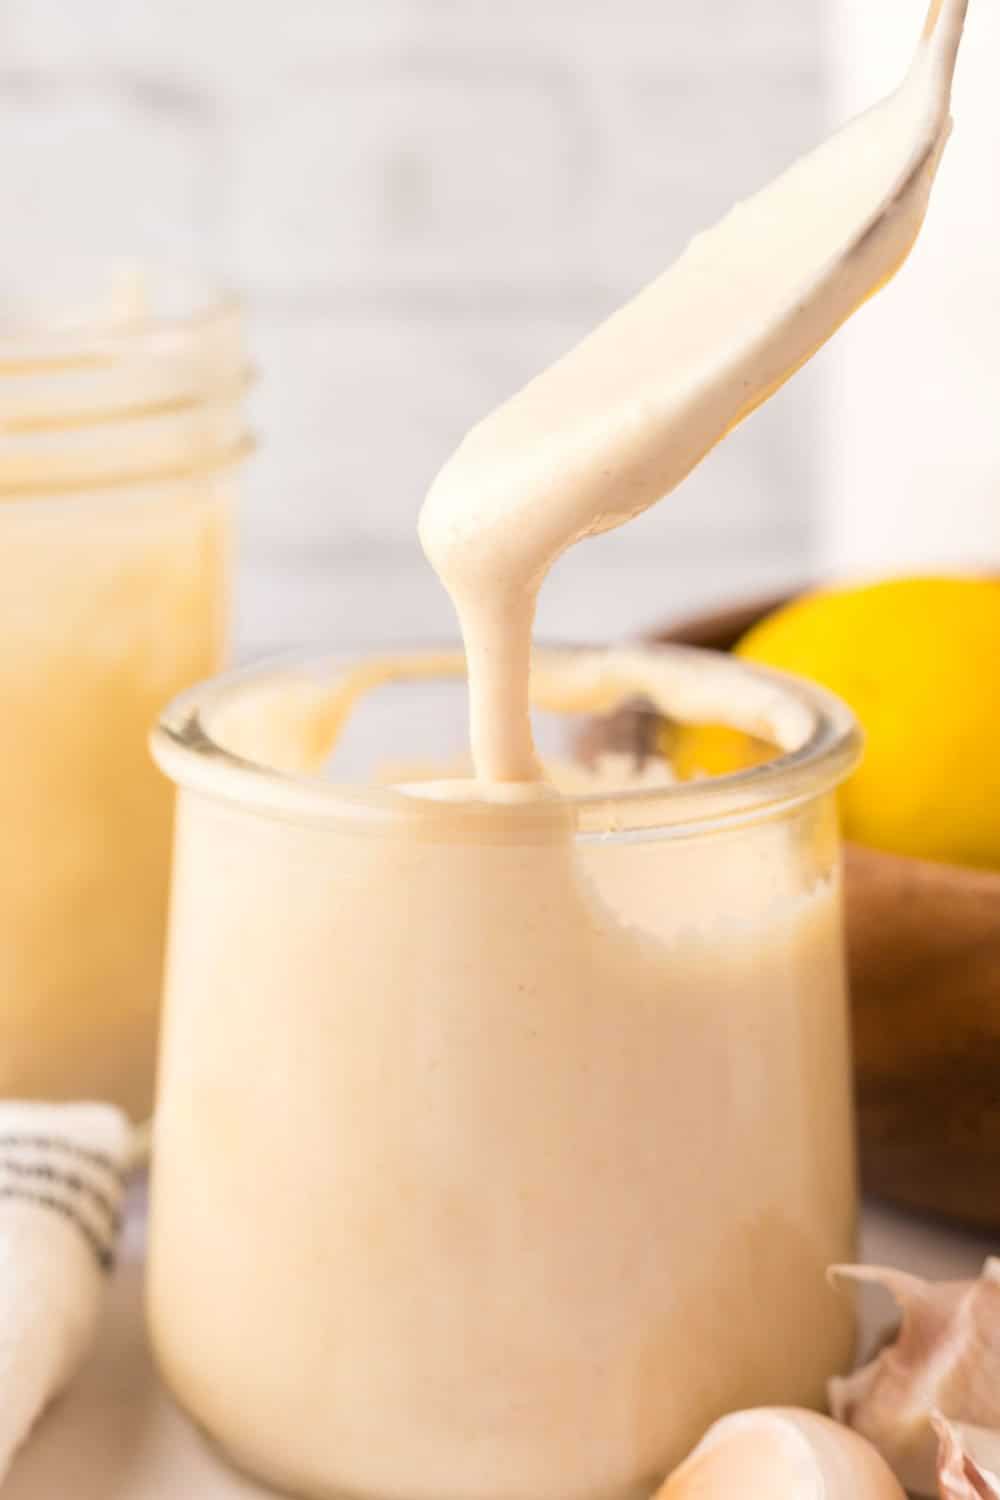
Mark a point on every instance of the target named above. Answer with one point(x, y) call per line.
point(16, 1140)
point(41, 1171)
point(102, 1252)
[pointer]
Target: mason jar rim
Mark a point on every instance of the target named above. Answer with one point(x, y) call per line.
point(109, 382)
point(188, 748)
point(52, 345)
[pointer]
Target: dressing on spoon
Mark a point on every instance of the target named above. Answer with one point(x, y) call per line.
point(622, 418)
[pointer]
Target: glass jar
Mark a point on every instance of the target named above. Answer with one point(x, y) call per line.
point(499, 1147)
point(123, 425)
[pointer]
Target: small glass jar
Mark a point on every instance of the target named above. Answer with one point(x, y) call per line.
point(122, 428)
point(500, 1147)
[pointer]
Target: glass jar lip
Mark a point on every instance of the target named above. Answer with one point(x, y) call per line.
point(65, 343)
point(112, 376)
point(189, 751)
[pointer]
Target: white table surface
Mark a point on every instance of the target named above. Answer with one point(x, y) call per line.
point(115, 1435)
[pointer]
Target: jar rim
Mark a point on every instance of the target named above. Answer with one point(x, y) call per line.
point(175, 306)
point(826, 745)
point(107, 381)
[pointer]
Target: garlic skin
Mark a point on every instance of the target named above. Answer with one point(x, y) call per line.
point(945, 1358)
point(780, 1453)
point(960, 1477)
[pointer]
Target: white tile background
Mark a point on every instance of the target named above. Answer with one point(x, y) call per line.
point(425, 201)
point(913, 472)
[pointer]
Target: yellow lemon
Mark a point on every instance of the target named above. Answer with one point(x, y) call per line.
point(918, 660)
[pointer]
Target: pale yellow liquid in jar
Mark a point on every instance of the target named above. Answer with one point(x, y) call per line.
point(107, 609)
point(492, 1164)
point(122, 427)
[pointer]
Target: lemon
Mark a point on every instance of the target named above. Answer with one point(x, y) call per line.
point(918, 660)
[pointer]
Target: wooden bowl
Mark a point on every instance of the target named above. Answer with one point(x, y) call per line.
point(923, 944)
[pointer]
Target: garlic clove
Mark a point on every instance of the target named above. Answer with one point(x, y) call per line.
point(962, 1476)
point(945, 1358)
point(777, 1453)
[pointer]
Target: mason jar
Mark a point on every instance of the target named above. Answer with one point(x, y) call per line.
point(123, 427)
point(503, 1139)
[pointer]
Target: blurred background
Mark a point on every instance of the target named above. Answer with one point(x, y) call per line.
point(425, 201)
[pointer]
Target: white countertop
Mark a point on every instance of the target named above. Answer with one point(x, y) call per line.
point(115, 1435)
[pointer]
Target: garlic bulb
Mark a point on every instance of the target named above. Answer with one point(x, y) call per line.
point(945, 1358)
point(960, 1476)
point(776, 1453)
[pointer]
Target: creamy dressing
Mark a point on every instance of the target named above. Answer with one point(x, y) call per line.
point(621, 420)
point(497, 1167)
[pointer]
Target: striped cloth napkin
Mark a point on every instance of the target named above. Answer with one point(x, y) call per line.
point(62, 1174)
